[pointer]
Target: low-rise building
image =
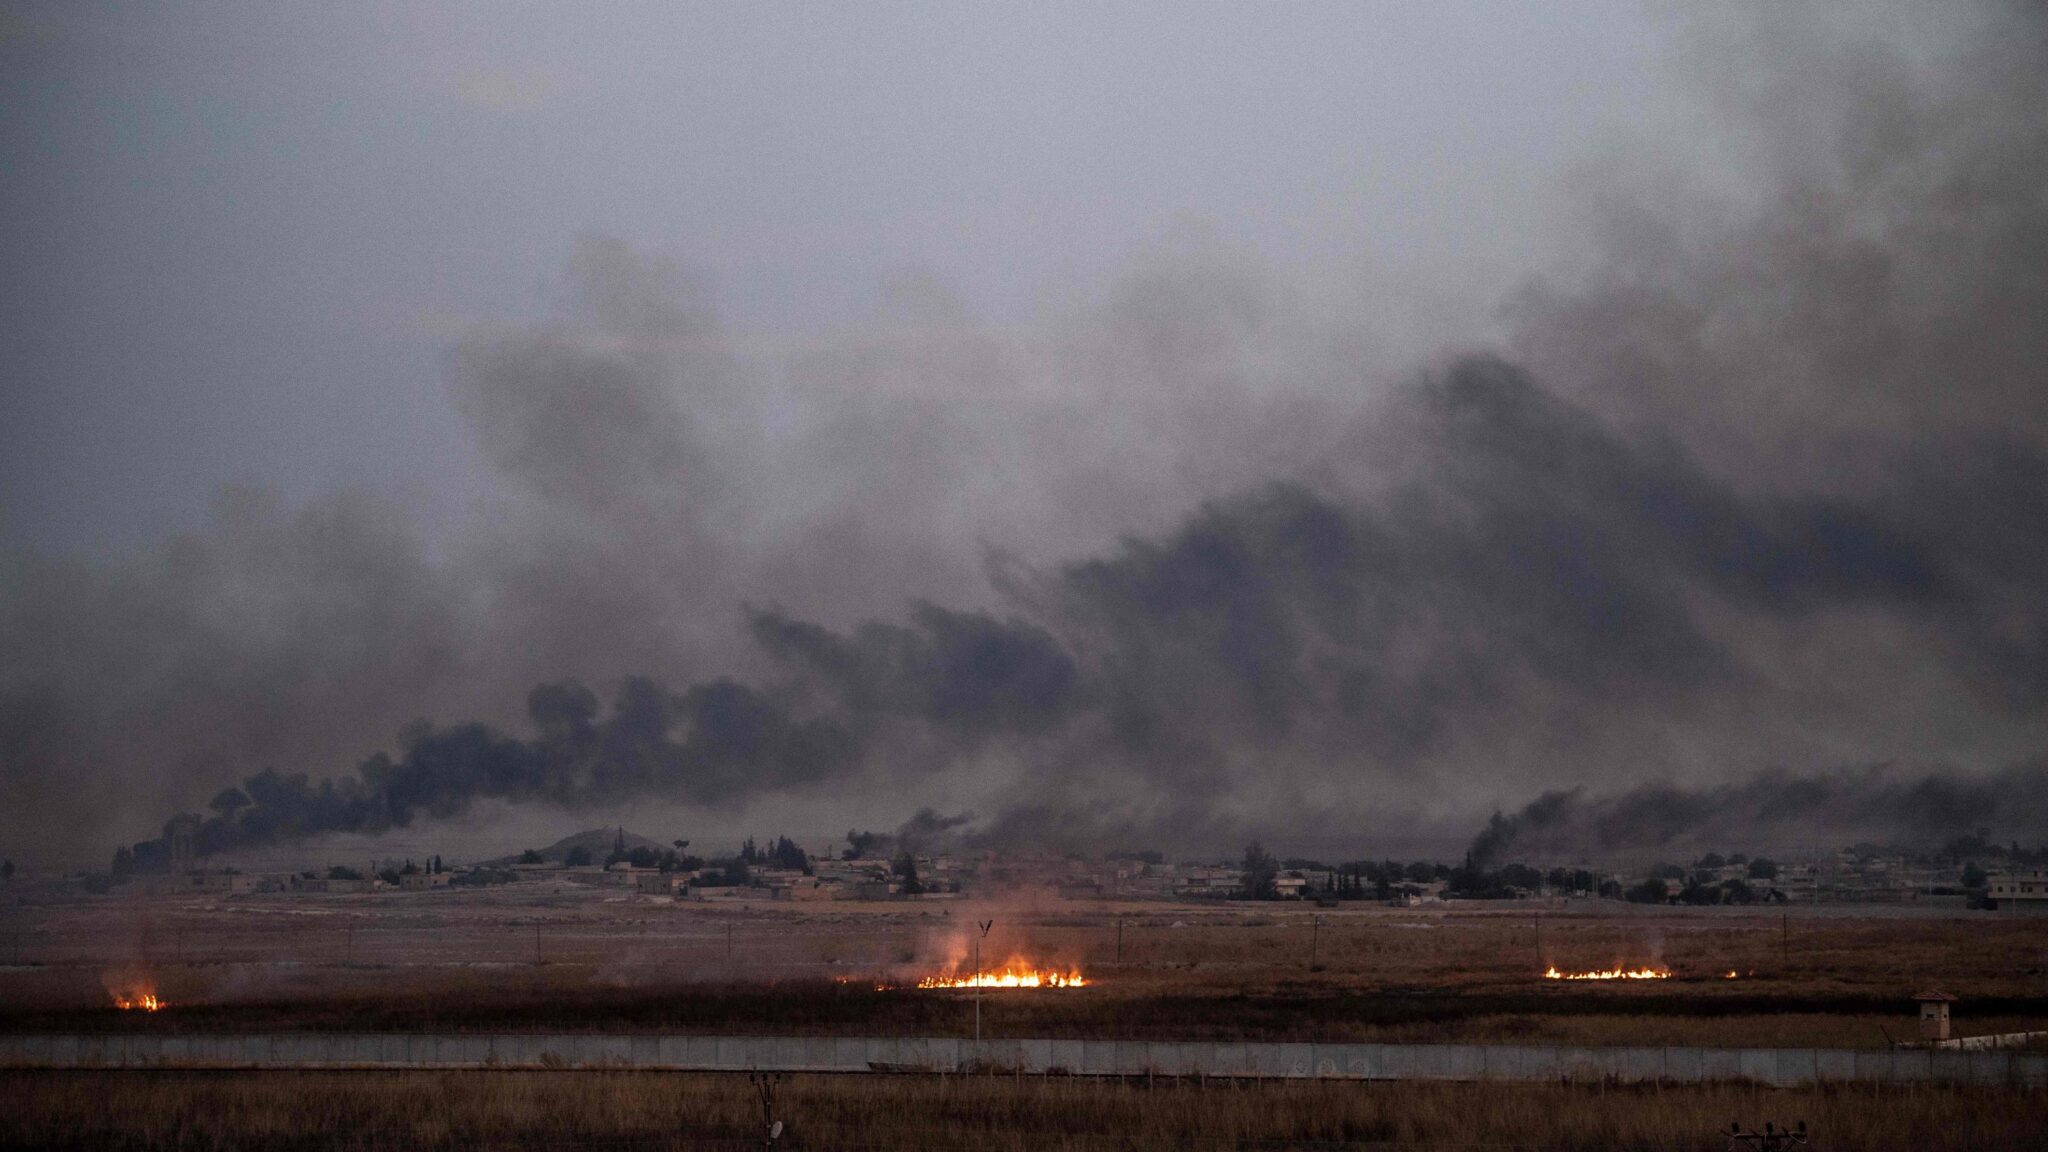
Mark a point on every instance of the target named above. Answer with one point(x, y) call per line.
point(2020, 891)
point(332, 885)
point(187, 883)
point(660, 883)
point(809, 888)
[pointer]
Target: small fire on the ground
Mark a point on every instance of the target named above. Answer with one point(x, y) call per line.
point(1008, 977)
point(140, 1001)
point(1610, 974)
point(1012, 975)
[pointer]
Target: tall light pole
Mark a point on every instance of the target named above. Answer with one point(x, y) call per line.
point(985, 926)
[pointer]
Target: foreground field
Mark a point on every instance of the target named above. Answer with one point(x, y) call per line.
point(544, 956)
point(520, 1110)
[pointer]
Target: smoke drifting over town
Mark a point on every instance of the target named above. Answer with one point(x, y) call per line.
point(1746, 502)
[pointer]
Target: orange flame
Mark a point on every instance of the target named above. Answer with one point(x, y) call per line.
point(1015, 974)
point(1610, 974)
point(1011, 976)
point(143, 1001)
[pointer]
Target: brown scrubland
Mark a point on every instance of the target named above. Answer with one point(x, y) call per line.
point(150, 1111)
point(536, 956)
point(544, 957)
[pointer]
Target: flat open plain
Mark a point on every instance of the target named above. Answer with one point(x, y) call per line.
point(554, 956)
point(545, 956)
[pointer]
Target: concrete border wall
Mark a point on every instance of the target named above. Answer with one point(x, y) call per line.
point(1778, 1066)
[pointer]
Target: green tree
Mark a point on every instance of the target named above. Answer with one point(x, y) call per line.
point(1973, 876)
point(1260, 870)
point(578, 857)
point(532, 856)
point(1762, 868)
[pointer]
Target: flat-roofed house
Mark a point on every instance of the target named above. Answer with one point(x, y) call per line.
point(2023, 892)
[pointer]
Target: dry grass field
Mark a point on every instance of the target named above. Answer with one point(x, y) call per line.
point(148, 1112)
point(542, 956)
point(557, 956)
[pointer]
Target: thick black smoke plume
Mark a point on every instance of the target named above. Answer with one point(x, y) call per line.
point(705, 745)
point(1882, 803)
point(1535, 569)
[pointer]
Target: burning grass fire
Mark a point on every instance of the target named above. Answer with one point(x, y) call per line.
point(132, 990)
point(1011, 975)
point(1610, 974)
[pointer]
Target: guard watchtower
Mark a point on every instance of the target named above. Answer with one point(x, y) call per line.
point(1934, 1014)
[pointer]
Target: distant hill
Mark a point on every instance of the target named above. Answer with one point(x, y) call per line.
point(599, 841)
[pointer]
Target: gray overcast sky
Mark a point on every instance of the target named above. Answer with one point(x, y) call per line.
point(240, 238)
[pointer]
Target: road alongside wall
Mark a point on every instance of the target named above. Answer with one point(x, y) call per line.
point(1779, 1066)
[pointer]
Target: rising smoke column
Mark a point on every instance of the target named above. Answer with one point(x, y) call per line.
point(1887, 804)
point(1534, 568)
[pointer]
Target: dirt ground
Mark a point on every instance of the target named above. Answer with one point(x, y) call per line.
point(549, 954)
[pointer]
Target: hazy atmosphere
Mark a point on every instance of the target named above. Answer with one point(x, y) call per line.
point(1114, 425)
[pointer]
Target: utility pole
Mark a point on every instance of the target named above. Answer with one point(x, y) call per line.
point(985, 926)
point(764, 1085)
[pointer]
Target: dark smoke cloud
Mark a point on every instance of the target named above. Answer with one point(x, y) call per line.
point(1878, 277)
point(1534, 563)
point(960, 670)
point(1760, 485)
point(706, 745)
point(1882, 803)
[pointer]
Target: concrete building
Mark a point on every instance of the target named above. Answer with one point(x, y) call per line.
point(2020, 892)
point(660, 883)
point(330, 885)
